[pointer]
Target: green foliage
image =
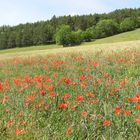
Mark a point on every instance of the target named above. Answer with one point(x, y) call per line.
point(87, 35)
point(106, 28)
point(3, 40)
point(93, 26)
point(66, 37)
point(127, 24)
point(76, 38)
point(63, 35)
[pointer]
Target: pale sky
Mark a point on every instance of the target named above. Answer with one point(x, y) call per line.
point(13, 12)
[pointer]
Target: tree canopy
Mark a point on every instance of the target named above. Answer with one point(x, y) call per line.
point(72, 29)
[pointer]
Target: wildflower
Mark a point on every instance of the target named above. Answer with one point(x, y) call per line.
point(24, 123)
point(138, 106)
point(50, 88)
point(1, 86)
point(52, 94)
point(18, 81)
point(82, 77)
point(68, 131)
point(79, 98)
point(137, 120)
point(63, 79)
point(110, 94)
point(10, 122)
point(106, 123)
point(138, 84)
point(89, 94)
point(118, 111)
point(127, 112)
point(46, 107)
point(19, 131)
point(29, 99)
point(106, 75)
point(84, 113)
point(66, 95)
point(63, 105)
point(115, 89)
point(42, 93)
point(90, 77)
point(83, 84)
point(134, 99)
point(48, 80)
point(67, 82)
point(41, 104)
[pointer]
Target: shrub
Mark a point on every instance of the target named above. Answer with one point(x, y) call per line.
point(66, 37)
point(63, 35)
point(76, 38)
point(127, 24)
point(87, 35)
point(106, 28)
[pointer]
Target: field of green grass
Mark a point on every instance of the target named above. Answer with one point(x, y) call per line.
point(87, 92)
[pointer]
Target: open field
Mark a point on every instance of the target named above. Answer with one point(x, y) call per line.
point(83, 48)
point(78, 93)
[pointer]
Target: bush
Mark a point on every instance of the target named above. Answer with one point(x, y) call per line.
point(66, 37)
point(63, 35)
point(106, 28)
point(76, 38)
point(127, 24)
point(87, 35)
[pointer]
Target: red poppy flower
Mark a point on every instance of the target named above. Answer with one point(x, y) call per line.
point(138, 84)
point(82, 77)
point(89, 94)
point(84, 113)
point(50, 88)
point(66, 95)
point(63, 105)
point(138, 106)
point(79, 98)
point(106, 123)
point(127, 112)
point(135, 99)
point(137, 120)
point(52, 94)
point(106, 75)
point(118, 111)
point(1, 86)
point(10, 122)
point(19, 131)
point(68, 82)
point(68, 131)
point(42, 93)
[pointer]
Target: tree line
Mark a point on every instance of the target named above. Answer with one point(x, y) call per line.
point(70, 30)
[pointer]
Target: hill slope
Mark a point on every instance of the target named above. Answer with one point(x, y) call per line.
point(127, 36)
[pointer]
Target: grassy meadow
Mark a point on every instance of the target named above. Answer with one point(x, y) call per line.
point(90, 92)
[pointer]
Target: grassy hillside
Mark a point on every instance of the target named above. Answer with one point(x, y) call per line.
point(26, 49)
point(128, 36)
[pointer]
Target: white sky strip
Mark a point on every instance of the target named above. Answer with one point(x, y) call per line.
point(13, 12)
